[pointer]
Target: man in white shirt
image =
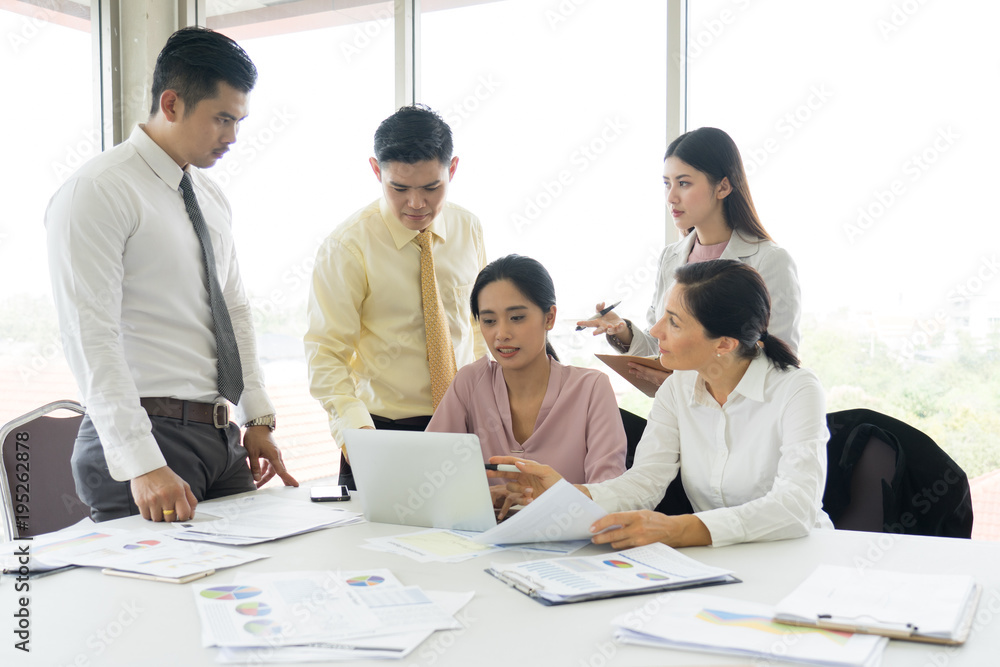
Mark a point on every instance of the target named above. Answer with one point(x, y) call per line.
point(370, 361)
point(155, 323)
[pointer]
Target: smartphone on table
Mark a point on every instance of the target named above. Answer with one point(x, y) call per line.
point(325, 494)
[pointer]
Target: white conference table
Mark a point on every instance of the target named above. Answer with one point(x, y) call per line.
point(84, 618)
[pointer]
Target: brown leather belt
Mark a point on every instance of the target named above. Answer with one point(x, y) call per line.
point(216, 414)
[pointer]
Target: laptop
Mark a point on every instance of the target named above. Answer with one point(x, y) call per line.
point(415, 478)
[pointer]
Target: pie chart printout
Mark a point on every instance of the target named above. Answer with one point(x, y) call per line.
point(230, 592)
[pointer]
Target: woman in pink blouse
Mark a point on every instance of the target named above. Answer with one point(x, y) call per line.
point(525, 403)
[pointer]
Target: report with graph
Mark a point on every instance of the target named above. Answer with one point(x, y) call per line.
point(655, 567)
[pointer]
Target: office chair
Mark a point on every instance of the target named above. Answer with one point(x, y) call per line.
point(675, 500)
point(36, 481)
point(883, 475)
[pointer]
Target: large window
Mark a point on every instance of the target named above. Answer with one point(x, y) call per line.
point(300, 167)
point(867, 128)
point(49, 131)
point(559, 114)
point(870, 137)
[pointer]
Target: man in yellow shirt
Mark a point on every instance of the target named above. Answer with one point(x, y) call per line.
point(389, 314)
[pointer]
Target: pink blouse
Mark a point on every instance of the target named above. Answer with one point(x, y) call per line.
point(579, 429)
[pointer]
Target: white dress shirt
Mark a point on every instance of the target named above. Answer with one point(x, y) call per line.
point(366, 344)
point(772, 262)
point(129, 285)
point(754, 468)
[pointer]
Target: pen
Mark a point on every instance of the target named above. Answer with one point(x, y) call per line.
point(501, 467)
point(38, 574)
point(601, 313)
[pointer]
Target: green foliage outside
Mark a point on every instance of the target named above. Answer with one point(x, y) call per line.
point(955, 399)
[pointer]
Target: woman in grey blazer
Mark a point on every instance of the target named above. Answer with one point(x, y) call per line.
point(709, 200)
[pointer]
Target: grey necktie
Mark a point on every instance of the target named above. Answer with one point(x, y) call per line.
point(230, 371)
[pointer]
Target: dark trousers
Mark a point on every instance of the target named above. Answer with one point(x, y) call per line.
point(381, 423)
point(212, 461)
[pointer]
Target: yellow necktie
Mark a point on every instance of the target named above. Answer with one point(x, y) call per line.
point(440, 353)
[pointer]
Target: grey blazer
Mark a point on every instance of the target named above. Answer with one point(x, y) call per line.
point(773, 263)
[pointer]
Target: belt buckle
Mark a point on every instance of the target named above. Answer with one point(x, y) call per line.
point(220, 415)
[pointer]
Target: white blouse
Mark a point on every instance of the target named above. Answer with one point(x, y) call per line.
point(754, 468)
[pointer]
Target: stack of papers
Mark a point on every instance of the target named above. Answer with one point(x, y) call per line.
point(145, 551)
point(296, 616)
point(698, 622)
point(259, 518)
point(654, 567)
point(935, 608)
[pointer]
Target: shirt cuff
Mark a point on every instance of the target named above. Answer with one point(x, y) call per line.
point(724, 525)
point(356, 416)
point(603, 496)
point(253, 403)
point(126, 462)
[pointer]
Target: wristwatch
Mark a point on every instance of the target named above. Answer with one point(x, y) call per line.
point(267, 420)
point(617, 343)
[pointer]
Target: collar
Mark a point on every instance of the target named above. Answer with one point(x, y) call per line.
point(401, 235)
point(750, 386)
point(162, 164)
point(739, 247)
point(683, 247)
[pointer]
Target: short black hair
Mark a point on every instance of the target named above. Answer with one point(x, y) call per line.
point(192, 63)
point(413, 134)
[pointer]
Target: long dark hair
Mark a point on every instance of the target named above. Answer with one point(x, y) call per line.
point(730, 299)
point(528, 276)
point(714, 153)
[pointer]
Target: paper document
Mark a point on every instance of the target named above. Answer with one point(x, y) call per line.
point(329, 609)
point(396, 645)
point(144, 551)
point(699, 622)
point(921, 607)
point(435, 545)
point(438, 545)
point(561, 513)
point(44, 549)
point(653, 567)
point(260, 518)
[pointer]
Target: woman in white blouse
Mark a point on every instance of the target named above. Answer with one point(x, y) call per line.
point(708, 194)
point(742, 422)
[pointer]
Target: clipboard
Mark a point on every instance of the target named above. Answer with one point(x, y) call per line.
point(536, 593)
point(619, 364)
point(902, 631)
point(651, 568)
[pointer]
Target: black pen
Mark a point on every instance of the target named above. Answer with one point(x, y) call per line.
point(601, 313)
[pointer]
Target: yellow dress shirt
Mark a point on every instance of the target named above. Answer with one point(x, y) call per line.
point(366, 346)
